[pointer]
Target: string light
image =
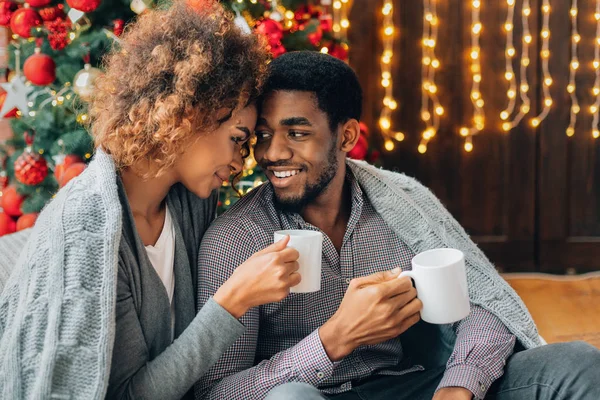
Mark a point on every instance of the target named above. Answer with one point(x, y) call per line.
point(596, 64)
point(389, 103)
point(574, 65)
point(430, 63)
point(478, 114)
point(545, 54)
point(340, 19)
point(509, 74)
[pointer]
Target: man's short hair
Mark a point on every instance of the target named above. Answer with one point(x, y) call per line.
point(333, 82)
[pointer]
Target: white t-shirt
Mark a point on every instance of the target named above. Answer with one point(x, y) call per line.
point(162, 257)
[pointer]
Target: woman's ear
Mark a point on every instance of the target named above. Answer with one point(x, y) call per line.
point(350, 135)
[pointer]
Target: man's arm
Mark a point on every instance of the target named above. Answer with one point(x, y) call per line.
point(225, 246)
point(483, 344)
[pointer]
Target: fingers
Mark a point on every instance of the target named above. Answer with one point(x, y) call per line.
point(377, 277)
point(277, 246)
point(294, 279)
point(289, 254)
point(412, 307)
point(395, 287)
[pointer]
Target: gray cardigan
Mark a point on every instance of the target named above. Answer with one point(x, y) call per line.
point(83, 285)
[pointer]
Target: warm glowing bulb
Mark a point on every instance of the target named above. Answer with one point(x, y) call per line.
point(546, 8)
point(389, 31)
point(524, 87)
point(324, 50)
point(425, 116)
point(535, 122)
point(575, 64)
point(337, 5)
point(595, 133)
point(399, 136)
point(596, 64)
point(570, 131)
point(427, 134)
point(434, 21)
point(439, 110)
point(504, 115)
point(389, 145)
point(477, 78)
point(596, 91)
point(393, 105)
point(508, 27)
point(525, 61)
point(527, 11)
point(479, 103)
point(475, 54)
point(510, 2)
point(426, 60)
point(435, 63)
point(475, 95)
point(576, 109)
point(573, 12)
point(386, 75)
point(545, 34)
point(576, 38)
point(545, 53)
point(464, 131)
point(527, 39)
point(548, 81)
point(386, 100)
point(384, 123)
point(432, 89)
point(468, 147)
point(477, 28)
point(511, 94)
point(506, 126)
point(385, 83)
point(593, 108)
point(422, 148)
point(525, 108)
point(597, 16)
point(570, 88)
point(345, 23)
point(548, 102)
point(476, 3)
point(511, 52)
point(508, 75)
point(428, 17)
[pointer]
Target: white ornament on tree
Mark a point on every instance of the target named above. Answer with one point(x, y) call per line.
point(17, 92)
point(275, 14)
point(241, 23)
point(138, 6)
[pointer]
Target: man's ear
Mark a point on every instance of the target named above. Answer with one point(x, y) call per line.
point(350, 135)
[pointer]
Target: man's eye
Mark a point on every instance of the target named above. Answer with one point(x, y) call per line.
point(297, 135)
point(262, 135)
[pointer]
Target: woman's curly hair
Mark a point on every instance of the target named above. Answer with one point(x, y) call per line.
point(174, 69)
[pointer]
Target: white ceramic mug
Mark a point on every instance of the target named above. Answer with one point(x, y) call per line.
point(441, 283)
point(310, 246)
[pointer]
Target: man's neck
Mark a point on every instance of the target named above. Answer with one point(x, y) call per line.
point(330, 211)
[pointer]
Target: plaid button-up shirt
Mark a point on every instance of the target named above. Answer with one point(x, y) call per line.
point(281, 342)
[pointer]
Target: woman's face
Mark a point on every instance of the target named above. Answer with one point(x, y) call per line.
point(213, 157)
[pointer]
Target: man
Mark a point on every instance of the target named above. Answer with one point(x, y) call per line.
point(356, 338)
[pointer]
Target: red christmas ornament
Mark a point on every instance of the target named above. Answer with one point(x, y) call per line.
point(58, 35)
point(51, 13)
point(359, 152)
point(38, 3)
point(31, 168)
point(7, 224)
point(7, 9)
point(3, 180)
point(277, 50)
point(71, 172)
point(11, 201)
point(23, 20)
point(364, 129)
point(271, 29)
point(315, 37)
point(374, 156)
point(26, 221)
point(40, 69)
point(118, 26)
point(61, 167)
point(12, 113)
point(339, 51)
point(84, 5)
point(326, 22)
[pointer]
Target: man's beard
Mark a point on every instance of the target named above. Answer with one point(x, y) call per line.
point(311, 191)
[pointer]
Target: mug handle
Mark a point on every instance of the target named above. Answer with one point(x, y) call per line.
point(410, 274)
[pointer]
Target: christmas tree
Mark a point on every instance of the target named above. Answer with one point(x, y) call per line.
point(54, 58)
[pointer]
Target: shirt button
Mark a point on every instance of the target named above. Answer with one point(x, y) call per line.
point(482, 387)
point(348, 280)
point(320, 375)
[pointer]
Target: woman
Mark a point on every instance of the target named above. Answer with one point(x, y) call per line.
point(103, 300)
